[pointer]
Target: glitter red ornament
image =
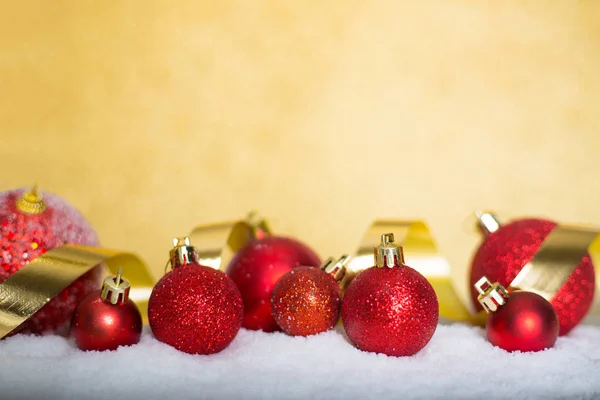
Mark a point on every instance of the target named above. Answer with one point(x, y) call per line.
point(508, 248)
point(257, 267)
point(194, 308)
point(307, 300)
point(390, 308)
point(519, 321)
point(32, 223)
point(107, 318)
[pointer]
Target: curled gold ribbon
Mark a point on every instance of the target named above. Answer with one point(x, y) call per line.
point(217, 243)
point(556, 259)
point(33, 286)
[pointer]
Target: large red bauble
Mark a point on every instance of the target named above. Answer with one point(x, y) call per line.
point(99, 325)
point(306, 301)
point(393, 311)
point(195, 309)
point(505, 252)
point(527, 322)
point(257, 267)
point(24, 237)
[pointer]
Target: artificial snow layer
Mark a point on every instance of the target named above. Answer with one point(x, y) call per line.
point(458, 363)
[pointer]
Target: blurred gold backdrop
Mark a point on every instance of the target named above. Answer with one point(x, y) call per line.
point(154, 116)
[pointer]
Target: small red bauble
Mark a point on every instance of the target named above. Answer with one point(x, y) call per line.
point(107, 318)
point(31, 223)
point(390, 308)
point(257, 267)
point(307, 300)
point(195, 309)
point(521, 321)
point(507, 249)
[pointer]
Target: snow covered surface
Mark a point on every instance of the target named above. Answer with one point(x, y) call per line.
point(457, 364)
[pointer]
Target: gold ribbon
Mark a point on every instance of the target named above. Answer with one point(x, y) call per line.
point(558, 256)
point(217, 243)
point(33, 286)
point(555, 260)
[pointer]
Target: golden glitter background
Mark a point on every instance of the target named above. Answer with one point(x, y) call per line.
point(154, 116)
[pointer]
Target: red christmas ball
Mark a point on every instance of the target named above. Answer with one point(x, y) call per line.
point(32, 223)
point(393, 311)
point(196, 309)
point(506, 251)
point(306, 301)
point(98, 324)
point(257, 267)
point(527, 322)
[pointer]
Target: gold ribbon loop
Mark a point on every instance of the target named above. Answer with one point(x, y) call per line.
point(217, 243)
point(33, 286)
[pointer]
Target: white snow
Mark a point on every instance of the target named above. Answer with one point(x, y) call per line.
point(458, 363)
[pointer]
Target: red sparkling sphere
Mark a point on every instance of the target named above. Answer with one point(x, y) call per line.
point(527, 322)
point(505, 252)
point(393, 311)
point(195, 309)
point(306, 301)
point(99, 325)
point(257, 267)
point(24, 237)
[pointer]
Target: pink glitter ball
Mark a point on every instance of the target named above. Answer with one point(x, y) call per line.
point(24, 237)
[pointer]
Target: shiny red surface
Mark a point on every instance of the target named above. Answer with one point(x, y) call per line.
point(195, 309)
point(306, 301)
point(99, 325)
point(393, 311)
point(527, 322)
point(24, 237)
point(505, 252)
point(257, 267)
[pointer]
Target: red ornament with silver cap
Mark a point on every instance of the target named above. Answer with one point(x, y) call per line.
point(194, 308)
point(307, 300)
point(107, 318)
point(390, 308)
point(507, 249)
point(519, 321)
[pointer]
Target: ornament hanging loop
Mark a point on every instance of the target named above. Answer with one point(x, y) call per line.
point(388, 253)
point(491, 296)
point(182, 253)
point(336, 268)
point(116, 289)
point(487, 222)
point(32, 202)
point(257, 224)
